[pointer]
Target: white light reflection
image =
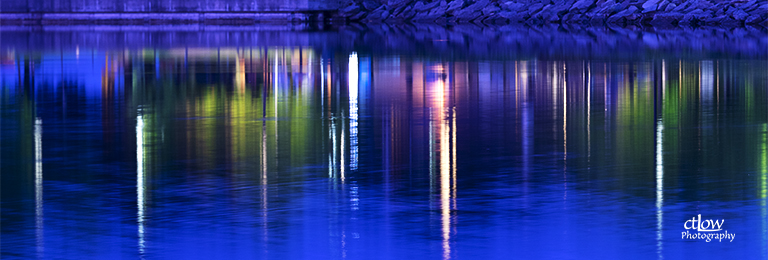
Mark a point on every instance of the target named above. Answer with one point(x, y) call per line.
point(659, 186)
point(445, 159)
point(39, 186)
point(140, 180)
point(353, 101)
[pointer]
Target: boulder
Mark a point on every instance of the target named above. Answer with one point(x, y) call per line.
point(420, 7)
point(753, 19)
point(491, 9)
point(622, 16)
point(666, 19)
point(371, 4)
point(512, 6)
point(651, 5)
point(670, 7)
point(454, 6)
point(349, 10)
point(395, 4)
point(740, 15)
point(582, 6)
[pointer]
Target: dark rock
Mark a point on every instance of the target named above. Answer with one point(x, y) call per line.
point(438, 11)
point(729, 22)
point(582, 6)
point(420, 7)
point(360, 15)
point(371, 4)
point(514, 17)
point(378, 15)
point(651, 5)
point(491, 9)
point(740, 15)
point(535, 8)
point(349, 10)
point(670, 7)
point(693, 18)
point(512, 6)
point(476, 7)
point(753, 19)
point(395, 4)
point(454, 6)
point(466, 17)
point(622, 16)
point(407, 13)
point(666, 19)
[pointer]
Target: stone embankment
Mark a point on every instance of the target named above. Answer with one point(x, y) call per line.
point(661, 13)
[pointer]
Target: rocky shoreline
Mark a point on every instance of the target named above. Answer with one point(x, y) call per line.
point(658, 13)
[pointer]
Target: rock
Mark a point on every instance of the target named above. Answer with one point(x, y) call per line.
point(512, 6)
point(693, 18)
point(395, 4)
point(729, 22)
point(573, 18)
point(651, 5)
point(753, 19)
point(407, 13)
point(621, 16)
point(378, 15)
point(670, 7)
point(740, 15)
point(420, 7)
point(454, 6)
point(359, 16)
point(438, 11)
point(491, 9)
point(466, 17)
point(514, 17)
point(666, 19)
point(350, 10)
point(535, 8)
point(477, 6)
point(582, 6)
point(371, 4)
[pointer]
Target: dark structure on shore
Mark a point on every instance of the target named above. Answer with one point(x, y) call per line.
point(728, 13)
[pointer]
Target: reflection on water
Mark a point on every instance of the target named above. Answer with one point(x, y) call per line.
point(300, 152)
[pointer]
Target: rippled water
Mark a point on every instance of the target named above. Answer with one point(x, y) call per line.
point(303, 150)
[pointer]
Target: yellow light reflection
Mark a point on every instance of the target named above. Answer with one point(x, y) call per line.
point(240, 74)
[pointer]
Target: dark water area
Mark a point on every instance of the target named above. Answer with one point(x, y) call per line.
point(382, 143)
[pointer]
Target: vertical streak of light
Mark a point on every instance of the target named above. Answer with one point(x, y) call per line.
point(275, 87)
point(140, 180)
point(39, 186)
point(353, 101)
point(660, 164)
point(764, 184)
point(264, 216)
point(589, 111)
point(659, 186)
point(663, 78)
point(445, 171)
point(565, 116)
point(334, 157)
point(565, 132)
point(322, 89)
point(453, 155)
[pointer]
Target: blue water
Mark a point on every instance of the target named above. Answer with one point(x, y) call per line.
point(301, 145)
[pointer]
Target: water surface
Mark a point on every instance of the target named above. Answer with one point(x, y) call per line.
point(302, 145)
